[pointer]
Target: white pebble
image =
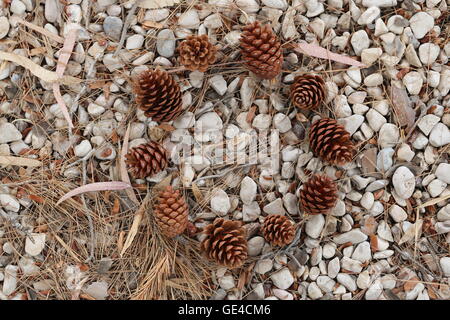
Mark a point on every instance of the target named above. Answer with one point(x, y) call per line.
point(404, 182)
point(165, 43)
point(413, 82)
point(10, 280)
point(428, 53)
point(282, 279)
point(220, 202)
point(421, 23)
point(4, 27)
point(314, 226)
point(440, 135)
point(35, 244)
point(443, 172)
point(8, 202)
point(134, 42)
point(219, 84)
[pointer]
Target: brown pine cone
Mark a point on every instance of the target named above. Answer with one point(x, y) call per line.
point(171, 212)
point(197, 53)
point(158, 95)
point(307, 91)
point(261, 50)
point(278, 230)
point(319, 194)
point(146, 159)
point(225, 243)
point(331, 142)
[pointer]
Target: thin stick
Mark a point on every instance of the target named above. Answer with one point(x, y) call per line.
point(87, 15)
point(293, 258)
point(136, 222)
point(65, 246)
point(125, 28)
point(407, 256)
point(223, 173)
point(85, 158)
point(91, 224)
point(297, 237)
point(34, 27)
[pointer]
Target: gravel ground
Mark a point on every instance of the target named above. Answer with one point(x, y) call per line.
point(388, 236)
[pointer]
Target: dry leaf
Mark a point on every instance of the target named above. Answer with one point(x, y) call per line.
point(166, 127)
point(36, 198)
point(403, 108)
point(373, 243)
point(152, 24)
point(322, 53)
point(369, 160)
point(123, 168)
point(62, 104)
point(245, 276)
point(120, 240)
point(136, 222)
point(19, 161)
point(156, 4)
point(413, 230)
point(96, 186)
point(97, 84)
point(197, 193)
point(37, 70)
point(64, 57)
point(370, 226)
point(251, 114)
point(116, 206)
point(411, 283)
point(38, 51)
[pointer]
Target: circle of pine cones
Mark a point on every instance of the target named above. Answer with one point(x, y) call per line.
point(278, 230)
point(225, 243)
point(261, 50)
point(307, 91)
point(171, 212)
point(158, 95)
point(331, 142)
point(197, 53)
point(146, 159)
point(319, 194)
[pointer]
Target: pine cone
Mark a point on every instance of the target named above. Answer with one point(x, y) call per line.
point(319, 194)
point(158, 95)
point(197, 53)
point(225, 243)
point(171, 212)
point(261, 50)
point(278, 230)
point(331, 142)
point(146, 159)
point(307, 91)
